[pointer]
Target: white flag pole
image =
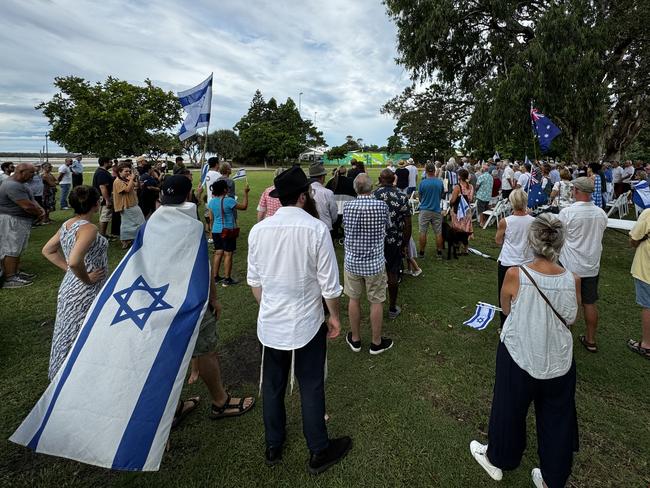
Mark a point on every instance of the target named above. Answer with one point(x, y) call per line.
point(207, 128)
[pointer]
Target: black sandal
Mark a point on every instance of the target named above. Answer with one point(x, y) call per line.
point(635, 346)
point(589, 346)
point(182, 412)
point(220, 412)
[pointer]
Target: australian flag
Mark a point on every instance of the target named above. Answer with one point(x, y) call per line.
point(536, 194)
point(544, 128)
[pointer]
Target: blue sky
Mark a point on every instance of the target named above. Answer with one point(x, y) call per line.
point(340, 54)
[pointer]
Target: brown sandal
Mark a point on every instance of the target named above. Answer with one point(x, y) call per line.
point(589, 346)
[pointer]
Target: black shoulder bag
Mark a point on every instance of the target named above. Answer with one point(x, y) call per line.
point(548, 302)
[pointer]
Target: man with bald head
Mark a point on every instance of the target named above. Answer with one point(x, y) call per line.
point(18, 210)
point(365, 220)
point(398, 235)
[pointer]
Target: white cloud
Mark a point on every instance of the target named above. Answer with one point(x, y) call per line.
point(338, 53)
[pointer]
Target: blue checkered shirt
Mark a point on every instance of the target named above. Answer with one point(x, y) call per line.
point(597, 195)
point(365, 221)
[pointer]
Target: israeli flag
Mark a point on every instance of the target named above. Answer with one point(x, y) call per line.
point(113, 400)
point(463, 208)
point(496, 156)
point(482, 317)
point(240, 174)
point(197, 103)
point(204, 173)
point(641, 194)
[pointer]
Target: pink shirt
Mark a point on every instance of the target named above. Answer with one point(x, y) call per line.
point(268, 204)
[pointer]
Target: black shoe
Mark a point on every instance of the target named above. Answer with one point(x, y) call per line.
point(354, 345)
point(329, 456)
point(384, 345)
point(273, 455)
point(420, 255)
point(218, 279)
point(229, 282)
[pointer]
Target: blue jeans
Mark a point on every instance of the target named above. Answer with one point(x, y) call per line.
point(310, 373)
point(65, 190)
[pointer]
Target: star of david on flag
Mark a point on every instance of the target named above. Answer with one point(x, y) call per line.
point(139, 315)
point(544, 128)
point(463, 208)
point(240, 174)
point(482, 317)
point(197, 103)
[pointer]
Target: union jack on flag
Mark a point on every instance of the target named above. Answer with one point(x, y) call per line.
point(544, 128)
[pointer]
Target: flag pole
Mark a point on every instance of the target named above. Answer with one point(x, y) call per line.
point(207, 128)
point(532, 127)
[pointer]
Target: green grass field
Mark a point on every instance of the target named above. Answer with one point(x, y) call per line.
point(411, 412)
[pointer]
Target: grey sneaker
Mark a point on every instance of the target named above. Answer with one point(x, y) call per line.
point(393, 314)
point(26, 276)
point(16, 282)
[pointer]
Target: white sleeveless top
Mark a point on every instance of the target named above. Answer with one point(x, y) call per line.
point(536, 339)
point(515, 250)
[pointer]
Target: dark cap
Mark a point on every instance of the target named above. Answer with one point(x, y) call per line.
point(290, 182)
point(174, 189)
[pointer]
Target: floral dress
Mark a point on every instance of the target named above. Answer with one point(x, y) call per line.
point(75, 297)
point(464, 224)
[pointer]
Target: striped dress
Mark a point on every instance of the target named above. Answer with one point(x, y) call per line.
point(75, 297)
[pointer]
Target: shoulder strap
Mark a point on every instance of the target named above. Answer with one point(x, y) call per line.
point(548, 302)
point(223, 217)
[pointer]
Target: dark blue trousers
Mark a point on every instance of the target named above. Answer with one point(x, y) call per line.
point(310, 372)
point(555, 415)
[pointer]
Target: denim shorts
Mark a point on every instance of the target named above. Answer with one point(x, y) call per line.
point(642, 293)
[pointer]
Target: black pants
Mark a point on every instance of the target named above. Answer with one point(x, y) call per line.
point(116, 222)
point(501, 274)
point(310, 373)
point(506, 193)
point(555, 415)
point(77, 179)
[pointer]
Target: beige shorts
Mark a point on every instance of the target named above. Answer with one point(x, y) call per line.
point(374, 285)
point(105, 213)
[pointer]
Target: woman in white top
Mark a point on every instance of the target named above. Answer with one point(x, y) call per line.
point(512, 236)
point(561, 193)
point(535, 364)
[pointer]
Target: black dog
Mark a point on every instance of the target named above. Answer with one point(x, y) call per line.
point(453, 239)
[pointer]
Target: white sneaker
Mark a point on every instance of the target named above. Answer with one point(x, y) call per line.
point(538, 481)
point(479, 451)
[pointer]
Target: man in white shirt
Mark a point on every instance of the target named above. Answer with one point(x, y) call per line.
point(617, 178)
point(507, 181)
point(585, 224)
point(328, 210)
point(413, 177)
point(210, 177)
point(65, 182)
point(522, 181)
point(291, 267)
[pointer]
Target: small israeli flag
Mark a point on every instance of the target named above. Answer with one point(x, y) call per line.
point(240, 174)
point(112, 402)
point(496, 156)
point(204, 173)
point(527, 161)
point(197, 103)
point(641, 194)
point(463, 208)
point(482, 317)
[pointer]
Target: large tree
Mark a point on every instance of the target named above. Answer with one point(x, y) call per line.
point(585, 63)
point(269, 131)
point(225, 143)
point(112, 118)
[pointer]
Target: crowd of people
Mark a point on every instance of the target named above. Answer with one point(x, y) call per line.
point(548, 269)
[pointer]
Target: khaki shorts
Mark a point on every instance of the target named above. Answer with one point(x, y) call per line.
point(428, 217)
point(207, 339)
point(105, 213)
point(14, 235)
point(374, 285)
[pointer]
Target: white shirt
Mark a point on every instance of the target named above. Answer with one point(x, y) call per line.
point(617, 174)
point(628, 172)
point(328, 210)
point(64, 169)
point(537, 340)
point(508, 174)
point(522, 181)
point(413, 175)
point(291, 257)
point(585, 225)
point(210, 177)
point(516, 250)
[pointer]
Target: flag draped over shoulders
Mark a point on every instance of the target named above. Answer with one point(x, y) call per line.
point(113, 400)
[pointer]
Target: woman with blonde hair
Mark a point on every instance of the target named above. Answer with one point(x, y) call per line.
point(512, 236)
point(535, 363)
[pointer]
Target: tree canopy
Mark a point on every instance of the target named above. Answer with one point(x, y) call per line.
point(269, 131)
point(584, 63)
point(112, 118)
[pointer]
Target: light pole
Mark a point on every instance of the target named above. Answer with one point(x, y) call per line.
point(300, 103)
point(47, 153)
point(315, 117)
